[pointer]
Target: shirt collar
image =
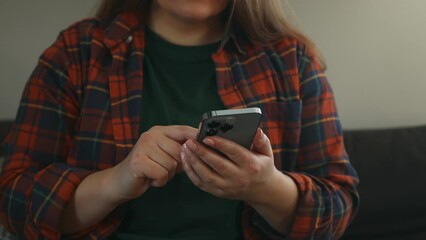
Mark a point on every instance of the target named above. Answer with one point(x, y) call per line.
point(121, 28)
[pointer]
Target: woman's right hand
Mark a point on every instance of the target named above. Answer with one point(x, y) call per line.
point(153, 161)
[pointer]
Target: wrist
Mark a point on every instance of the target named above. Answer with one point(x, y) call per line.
point(92, 201)
point(109, 187)
point(121, 185)
point(262, 192)
point(277, 201)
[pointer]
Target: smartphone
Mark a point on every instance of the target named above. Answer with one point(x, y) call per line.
point(237, 125)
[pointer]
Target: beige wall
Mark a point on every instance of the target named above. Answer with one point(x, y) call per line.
point(27, 27)
point(375, 51)
point(376, 54)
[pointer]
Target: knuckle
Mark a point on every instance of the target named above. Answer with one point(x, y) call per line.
point(171, 170)
point(221, 166)
point(218, 193)
point(181, 128)
point(253, 168)
point(163, 175)
point(160, 182)
point(186, 129)
point(155, 128)
point(160, 178)
point(234, 152)
point(174, 165)
point(201, 153)
point(208, 180)
point(147, 137)
point(198, 183)
point(192, 159)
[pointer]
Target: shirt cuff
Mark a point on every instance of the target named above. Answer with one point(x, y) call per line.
point(53, 188)
point(266, 228)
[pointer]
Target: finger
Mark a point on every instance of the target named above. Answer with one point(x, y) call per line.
point(173, 149)
point(197, 180)
point(149, 144)
point(207, 174)
point(150, 169)
point(180, 133)
point(165, 160)
point(219, 164)
point(261, 144)
point(237, 153)
point(190, 171)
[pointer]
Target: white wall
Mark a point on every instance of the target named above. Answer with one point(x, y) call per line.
point(376, 54)
point(375, 50)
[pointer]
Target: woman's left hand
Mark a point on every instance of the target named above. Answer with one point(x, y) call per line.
point(240, 174)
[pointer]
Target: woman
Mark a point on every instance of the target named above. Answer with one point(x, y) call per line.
point(103, 144)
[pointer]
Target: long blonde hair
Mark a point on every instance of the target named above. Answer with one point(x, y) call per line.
point(261, 21)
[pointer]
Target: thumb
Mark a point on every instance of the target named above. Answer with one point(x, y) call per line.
point(261, 143)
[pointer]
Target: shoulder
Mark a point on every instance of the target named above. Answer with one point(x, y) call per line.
point(287, 59)
point(289, 50)
point(69, 41)
point(83, 31)
point(292, 49)
point(72, 50)
point(298, 53)
point(288, 45)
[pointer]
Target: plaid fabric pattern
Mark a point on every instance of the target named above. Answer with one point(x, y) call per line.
point(80, 113)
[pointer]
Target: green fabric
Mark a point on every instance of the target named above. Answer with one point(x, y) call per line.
point(179, 85)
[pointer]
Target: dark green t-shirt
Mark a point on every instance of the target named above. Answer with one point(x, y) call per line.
point(179, 86)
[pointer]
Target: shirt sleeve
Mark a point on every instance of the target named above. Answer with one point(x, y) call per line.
point(38, 177)
point(326, 180)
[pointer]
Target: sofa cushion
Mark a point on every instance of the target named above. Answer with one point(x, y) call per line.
point(391, 164)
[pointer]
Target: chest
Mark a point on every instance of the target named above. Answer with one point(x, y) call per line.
point(108, 123)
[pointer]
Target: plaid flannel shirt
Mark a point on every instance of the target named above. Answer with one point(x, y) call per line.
point(80, 113)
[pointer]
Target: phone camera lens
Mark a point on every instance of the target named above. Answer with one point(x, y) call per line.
point(211, 132)
point(213, 124)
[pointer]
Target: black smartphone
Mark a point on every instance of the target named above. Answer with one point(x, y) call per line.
point(237, 125)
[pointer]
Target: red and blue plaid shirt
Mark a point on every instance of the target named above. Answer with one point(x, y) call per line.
point(80, 113)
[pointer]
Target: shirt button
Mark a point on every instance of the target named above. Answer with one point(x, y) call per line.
point(129, 39)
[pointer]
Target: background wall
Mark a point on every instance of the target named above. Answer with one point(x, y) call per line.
point(375, 51)
point(28, 27)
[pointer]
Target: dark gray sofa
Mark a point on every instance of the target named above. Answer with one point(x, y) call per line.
point(391, 164)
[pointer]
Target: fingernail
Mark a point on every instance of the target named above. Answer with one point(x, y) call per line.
point(208, 141)
point(183, 157)
point(187, 152)
point(185, 164)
